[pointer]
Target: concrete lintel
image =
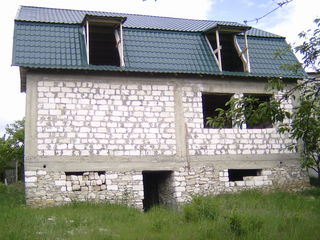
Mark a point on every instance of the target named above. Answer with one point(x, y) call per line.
point(95, 163)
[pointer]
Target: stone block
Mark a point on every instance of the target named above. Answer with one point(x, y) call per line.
point(258, 183)
point(239, 183)
point(266, 172)
point(30, 173)
point(137, 177)
point(31, 179)
point(41, 172)
point(30, 185)
point(224, 179)
point(60, 182)
point(99, 182)
point(74, 178)
point(111, 176)
point(76, 187)
point(112, 187)
point(84, 188)
point(259, 178)
point(249, 178)
point(180, 189)
point(137, 187)
point(249, 183)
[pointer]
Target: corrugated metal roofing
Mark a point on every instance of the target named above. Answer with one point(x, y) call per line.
point(53, 15)
point(55, 43)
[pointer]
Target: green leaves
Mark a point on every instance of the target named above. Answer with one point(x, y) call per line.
point(12, 146)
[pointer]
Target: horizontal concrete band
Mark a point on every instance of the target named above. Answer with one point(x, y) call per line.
point(96, 163)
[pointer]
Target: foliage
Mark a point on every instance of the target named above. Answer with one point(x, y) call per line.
point(12, 146)
point(303, 122)
point(246, 215)
point(310, 48)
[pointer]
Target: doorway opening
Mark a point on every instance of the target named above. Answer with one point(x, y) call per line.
point(158, 188)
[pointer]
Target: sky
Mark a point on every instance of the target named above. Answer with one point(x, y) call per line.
point(287, 21)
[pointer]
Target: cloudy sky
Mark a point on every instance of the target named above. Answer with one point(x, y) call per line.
point(287, 21)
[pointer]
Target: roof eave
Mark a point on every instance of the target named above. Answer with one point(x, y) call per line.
point(227, 29)
point(103, 19)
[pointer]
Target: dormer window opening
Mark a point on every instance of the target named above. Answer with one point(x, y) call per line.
point(222, 40)
point(230, 60)
point(104, 40)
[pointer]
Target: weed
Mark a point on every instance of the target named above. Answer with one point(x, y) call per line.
point(200, 208)
point(248, 215)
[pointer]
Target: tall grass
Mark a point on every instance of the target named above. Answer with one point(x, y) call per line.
point(248, 215)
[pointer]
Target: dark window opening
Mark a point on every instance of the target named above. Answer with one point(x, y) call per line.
point(265, 121)
point(212, 101)
point(158, 188)
point(230, 59)
point(103, 45)
point(238, 174)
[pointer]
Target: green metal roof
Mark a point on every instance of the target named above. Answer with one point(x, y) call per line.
point(53, 38)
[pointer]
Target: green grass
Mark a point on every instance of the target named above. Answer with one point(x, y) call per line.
point(248, 215)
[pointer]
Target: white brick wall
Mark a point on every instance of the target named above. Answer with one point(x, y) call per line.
point(86, 118)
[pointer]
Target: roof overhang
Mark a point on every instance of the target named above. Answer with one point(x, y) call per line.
point(225, 28)
point(110, 20)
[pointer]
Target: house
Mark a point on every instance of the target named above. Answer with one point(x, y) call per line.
point(117, 103)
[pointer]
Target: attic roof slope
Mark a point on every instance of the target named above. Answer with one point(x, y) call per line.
point(68, 16)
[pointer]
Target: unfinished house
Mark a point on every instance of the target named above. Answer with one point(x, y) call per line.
point(117, 103)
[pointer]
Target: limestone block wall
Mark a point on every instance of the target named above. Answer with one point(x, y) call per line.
point(45, 188)
point(207, 180)
point(95, 118)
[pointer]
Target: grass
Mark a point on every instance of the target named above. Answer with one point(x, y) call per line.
point(248, 215)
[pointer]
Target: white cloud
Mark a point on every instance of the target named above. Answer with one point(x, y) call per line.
point(294, 18)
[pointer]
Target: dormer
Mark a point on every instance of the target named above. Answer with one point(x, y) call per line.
point(222, 40)
point(104, 40)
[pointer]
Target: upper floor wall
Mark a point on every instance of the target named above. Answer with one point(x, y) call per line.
point(92, 115)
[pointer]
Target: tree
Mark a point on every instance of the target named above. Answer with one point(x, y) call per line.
point(12, 147)
point(303, 123)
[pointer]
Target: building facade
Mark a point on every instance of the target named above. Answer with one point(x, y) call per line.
point(133, 130)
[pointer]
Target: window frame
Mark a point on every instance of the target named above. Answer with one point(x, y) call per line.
point(111, 22)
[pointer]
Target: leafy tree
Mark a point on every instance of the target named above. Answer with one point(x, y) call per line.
point(12, 147)
point(303, 122)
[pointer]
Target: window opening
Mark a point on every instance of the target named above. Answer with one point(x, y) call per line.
point(227, 53)
point(229, 58)
point(104, 40)
point(238, 174)
point(158, 188)
point(212, 101)
point(264, 122)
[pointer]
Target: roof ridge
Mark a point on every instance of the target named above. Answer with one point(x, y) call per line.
point(123, 13)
